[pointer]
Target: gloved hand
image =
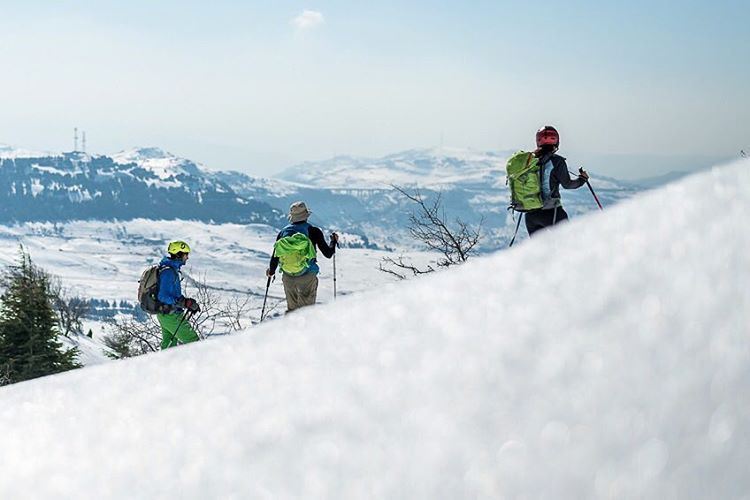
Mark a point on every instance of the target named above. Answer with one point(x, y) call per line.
point(189, 304)
point(334, 239)
point(269, 273)
point(583, 174)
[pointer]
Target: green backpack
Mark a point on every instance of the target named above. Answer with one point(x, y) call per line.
point(295, 253)
point(524, 180)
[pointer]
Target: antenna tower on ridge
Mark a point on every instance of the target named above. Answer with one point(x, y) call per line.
point(83, 142)
point(75, 139)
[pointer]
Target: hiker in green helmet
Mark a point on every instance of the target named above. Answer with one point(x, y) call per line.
point(295, 252)
point(174, 307)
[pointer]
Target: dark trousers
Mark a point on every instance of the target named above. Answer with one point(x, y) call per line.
point(539, 219)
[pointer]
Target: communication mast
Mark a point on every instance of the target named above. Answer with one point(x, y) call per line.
point(83, 142)
point(75, 139)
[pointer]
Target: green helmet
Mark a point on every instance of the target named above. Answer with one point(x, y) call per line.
point(178, 246)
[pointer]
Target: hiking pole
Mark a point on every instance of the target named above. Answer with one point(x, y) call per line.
point(265, 298)
point(335, 246)
point(174, 335)
point(596, 198)
point(515, 233)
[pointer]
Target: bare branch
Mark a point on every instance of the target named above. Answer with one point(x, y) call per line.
point(218, 316)
point(428, 224)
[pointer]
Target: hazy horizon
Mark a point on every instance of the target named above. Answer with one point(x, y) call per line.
point(622, 166)
point(636, 90)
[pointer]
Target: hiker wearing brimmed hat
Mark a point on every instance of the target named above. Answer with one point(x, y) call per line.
point(295, 252)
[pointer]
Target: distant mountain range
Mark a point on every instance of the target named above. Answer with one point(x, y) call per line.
point(349, 194)
point(142, 183)
point(356, 194)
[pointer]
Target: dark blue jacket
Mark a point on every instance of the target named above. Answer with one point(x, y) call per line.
point(170, 290)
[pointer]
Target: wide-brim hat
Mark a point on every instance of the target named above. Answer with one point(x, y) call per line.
point(298, 212)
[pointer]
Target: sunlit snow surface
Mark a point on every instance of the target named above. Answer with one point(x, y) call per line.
point(607, 359)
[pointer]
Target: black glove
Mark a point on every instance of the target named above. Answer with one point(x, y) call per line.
point(334, 239)
point(189, 304)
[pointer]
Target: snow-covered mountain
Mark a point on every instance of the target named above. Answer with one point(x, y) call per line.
point(620, 372)
point(427, 168)
point(142, 183)
point(162, 163)
point(355, 194)
point(7, 151)
point(345, 193)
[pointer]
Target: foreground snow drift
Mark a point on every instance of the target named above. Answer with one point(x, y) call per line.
point(609, 358)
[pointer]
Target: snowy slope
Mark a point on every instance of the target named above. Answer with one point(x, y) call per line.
point(621, 371)
point(104, 260)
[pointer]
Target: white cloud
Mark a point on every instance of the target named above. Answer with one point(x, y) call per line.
point(308, 19)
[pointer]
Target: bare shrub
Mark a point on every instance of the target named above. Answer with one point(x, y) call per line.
point(133, 337)
point(429, 225)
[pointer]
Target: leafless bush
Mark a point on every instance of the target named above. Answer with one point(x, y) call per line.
point(70, 308)
point(390, 265)
point(216, 316)
point(429, 225)
point(132, 337)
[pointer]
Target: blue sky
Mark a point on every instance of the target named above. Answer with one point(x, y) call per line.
point(240, 85)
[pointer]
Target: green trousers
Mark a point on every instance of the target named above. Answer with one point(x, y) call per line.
point(170, 336)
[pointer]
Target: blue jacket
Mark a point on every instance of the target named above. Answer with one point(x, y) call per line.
point(170, 289)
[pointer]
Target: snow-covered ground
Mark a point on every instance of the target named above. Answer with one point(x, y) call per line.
point(104, 260)
point(609, 358)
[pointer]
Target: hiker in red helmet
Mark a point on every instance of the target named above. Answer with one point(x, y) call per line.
point(554, 173)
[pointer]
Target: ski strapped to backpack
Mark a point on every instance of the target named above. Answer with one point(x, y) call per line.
point(525, 182)
point(148, 290)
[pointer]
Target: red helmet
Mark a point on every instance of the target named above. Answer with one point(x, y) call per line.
point(547, 136)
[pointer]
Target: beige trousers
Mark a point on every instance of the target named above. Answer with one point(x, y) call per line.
point(300, 290)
